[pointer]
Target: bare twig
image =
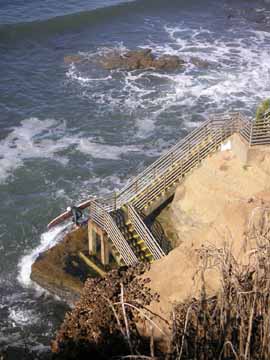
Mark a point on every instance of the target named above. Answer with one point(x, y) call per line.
point(152, 344)
point(144, 315)
point(115, 315)
point(232, 348)
point(125, 318)
point(184, 332)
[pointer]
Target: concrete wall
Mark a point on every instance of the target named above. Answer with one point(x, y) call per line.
point(240, 148)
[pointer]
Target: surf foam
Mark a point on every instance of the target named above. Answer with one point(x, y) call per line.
point(48, 239)
point(104, 151)
point(34, 138)
point(47, 139)
point(237, 78)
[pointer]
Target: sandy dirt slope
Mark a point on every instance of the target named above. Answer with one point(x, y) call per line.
point(212, 206)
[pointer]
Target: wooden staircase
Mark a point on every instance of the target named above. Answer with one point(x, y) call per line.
point(134, 240)
point(118, 215)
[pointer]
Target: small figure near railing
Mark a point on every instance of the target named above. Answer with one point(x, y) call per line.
point(77, 215)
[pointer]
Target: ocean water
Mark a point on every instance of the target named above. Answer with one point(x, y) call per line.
point(68, 131)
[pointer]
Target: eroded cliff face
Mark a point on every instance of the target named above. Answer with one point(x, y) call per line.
point(218, 203)
point(60, 269)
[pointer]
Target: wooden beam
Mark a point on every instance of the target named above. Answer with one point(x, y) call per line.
point(92, 265)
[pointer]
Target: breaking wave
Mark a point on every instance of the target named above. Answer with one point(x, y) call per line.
point(48, 239)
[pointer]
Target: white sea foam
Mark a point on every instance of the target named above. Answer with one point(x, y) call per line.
point(48, 239)
point(237, 78)
point(104, 151)
point(34, 138)
point(22, 316)
point(75, 74)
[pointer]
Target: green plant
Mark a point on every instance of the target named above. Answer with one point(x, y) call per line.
point(262, 109)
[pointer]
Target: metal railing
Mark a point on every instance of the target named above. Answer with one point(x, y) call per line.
point(144, 233)
point(165, 172)
point(177, 161)
point(260, 131)
point(104, 220)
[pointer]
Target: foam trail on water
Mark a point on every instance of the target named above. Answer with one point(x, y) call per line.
point(48, 239)
point(33, 139)
point(104, 151)
point(47, 139)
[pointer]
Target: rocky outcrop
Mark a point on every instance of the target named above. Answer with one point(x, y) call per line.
point(60, 270)
point(141, 59)
point(138, 60)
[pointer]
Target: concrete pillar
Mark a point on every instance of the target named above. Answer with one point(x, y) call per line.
point(105, 253)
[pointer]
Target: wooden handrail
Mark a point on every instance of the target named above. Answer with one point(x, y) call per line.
point(164, 173)
point(104, 220)
point(145, 234)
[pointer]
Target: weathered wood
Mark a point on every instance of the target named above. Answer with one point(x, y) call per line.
point(145, 233)
point(105, 254)
point(92, 265)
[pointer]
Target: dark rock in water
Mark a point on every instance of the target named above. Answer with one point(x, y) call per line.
point(140, 59)
point(60, 270)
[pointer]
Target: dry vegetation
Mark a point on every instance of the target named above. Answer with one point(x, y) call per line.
point(233, 324)
point(103, 322)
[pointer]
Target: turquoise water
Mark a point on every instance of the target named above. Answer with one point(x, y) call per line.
point(69, 131)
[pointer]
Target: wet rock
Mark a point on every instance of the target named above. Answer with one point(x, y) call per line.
point(73, 59)
point(60, 270)
point(113, 62)
point(140, 59)
point(168, 62)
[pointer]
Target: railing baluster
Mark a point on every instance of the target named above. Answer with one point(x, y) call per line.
point(168, 169)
